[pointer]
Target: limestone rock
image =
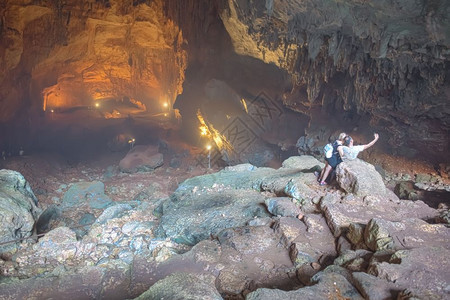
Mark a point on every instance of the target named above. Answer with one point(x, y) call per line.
point(299, 189)
point(360, 178)
point(308, 242)
point(109, 281)
point(58, 236)
point(181, 286)
point(380, 234)
point(302, 162)
point(18, 210)
point(374, 288)
point(141, 158)
point(329, 285)
point(424, 272)
point(341, 213)
point(194, 218)
point(249, 240)
point(282, 206)
point(86, 193)
point(115, 211)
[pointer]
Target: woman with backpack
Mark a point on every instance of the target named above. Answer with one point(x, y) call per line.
point(332, 161)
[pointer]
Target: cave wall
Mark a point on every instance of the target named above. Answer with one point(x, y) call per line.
point(379, 64)
point(63, 54)
point(384, 61)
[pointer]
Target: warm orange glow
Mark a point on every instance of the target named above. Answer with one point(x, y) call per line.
point(208, 147)
point(203, 130)
point(165, 104)
point(97, 104)
point(208, 130)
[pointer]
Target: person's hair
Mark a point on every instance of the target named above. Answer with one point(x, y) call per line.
point(342, 136)
point(347, 140)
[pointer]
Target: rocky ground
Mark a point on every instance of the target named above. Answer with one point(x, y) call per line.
point(242, 232)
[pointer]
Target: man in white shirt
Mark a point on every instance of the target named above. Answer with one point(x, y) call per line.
point(350, 152)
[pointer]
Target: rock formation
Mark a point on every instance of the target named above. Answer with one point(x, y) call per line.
point(18, 210)
point(310, 65)
point(242, 233)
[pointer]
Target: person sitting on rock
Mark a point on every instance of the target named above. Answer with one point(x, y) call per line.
point(350, 152)
point(333, 161)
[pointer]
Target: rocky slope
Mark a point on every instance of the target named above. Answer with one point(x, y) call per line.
point(242, 232)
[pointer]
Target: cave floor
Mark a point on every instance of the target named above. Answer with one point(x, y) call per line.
point(50, 175)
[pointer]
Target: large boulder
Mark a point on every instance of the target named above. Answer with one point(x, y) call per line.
point(341, 213)
point(422, 273)
point(360, 178)
point(302, 162)
point(18, 210)
point(141, 159)
point(380, 234)
point(195, 217)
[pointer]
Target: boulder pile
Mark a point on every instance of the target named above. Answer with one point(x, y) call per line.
point(247, 233)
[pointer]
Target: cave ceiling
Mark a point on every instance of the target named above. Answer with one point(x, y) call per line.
point(381, 63)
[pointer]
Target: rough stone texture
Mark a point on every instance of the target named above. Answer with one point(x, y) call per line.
point(309, 241)
point(302, 162)
point(181, 286)
point(374, 288)
point(18, 210)
point(282, 206)
point(141, 158)
point(357, 260)
point(86, 193)
point(360, 178)
point(329, 286)
point(299, 188)
point(86, 283)
point(341, 213)
point(57, 236)
point(194, 218)
point(239, 246)
point(424, 272)
point(282, 181)
point(380, 234)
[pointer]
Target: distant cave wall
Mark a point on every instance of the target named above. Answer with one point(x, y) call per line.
point(62, 54)
point(385, 60)
point(215, 66)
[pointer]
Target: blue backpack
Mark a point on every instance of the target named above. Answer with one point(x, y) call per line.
point(328, 150)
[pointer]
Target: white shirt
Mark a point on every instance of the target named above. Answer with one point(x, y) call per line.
point(351, 153)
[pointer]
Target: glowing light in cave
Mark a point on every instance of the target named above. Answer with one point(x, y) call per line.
point(244, 104)
point(208, 130)
point(203, 130)
point(165, 104)
point(97, 104)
